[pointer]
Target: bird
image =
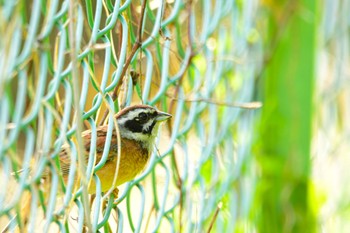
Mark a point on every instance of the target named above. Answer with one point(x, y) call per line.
point(138, 126)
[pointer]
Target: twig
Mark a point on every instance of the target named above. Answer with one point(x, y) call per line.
point(134, 49)
point(248, 105)
point(218, 208)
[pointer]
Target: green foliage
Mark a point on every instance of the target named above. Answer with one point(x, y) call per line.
point(283, 197)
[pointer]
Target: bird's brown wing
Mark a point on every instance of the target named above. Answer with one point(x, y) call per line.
point(101, 133)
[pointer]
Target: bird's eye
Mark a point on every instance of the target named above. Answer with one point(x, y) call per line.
point(143, 117)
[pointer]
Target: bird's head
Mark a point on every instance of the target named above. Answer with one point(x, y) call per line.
point(140, 123)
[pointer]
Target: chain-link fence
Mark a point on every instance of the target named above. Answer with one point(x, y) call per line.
point(65, 64)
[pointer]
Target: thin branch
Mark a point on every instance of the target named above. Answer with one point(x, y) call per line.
point(247, 105)
point(218, 208)
point(134, 49)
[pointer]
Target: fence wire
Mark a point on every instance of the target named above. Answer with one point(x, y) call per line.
point(65, 63)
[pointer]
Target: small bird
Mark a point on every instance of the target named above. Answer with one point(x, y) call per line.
point(138, 127)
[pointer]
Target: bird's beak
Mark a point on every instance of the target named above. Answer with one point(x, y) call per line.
point(163, 116)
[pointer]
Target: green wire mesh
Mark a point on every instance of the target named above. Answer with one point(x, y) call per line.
point(63, 63)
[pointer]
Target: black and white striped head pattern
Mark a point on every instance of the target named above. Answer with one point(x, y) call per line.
point(140, 122)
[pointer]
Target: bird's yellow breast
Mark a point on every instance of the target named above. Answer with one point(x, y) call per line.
point(133, 160)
